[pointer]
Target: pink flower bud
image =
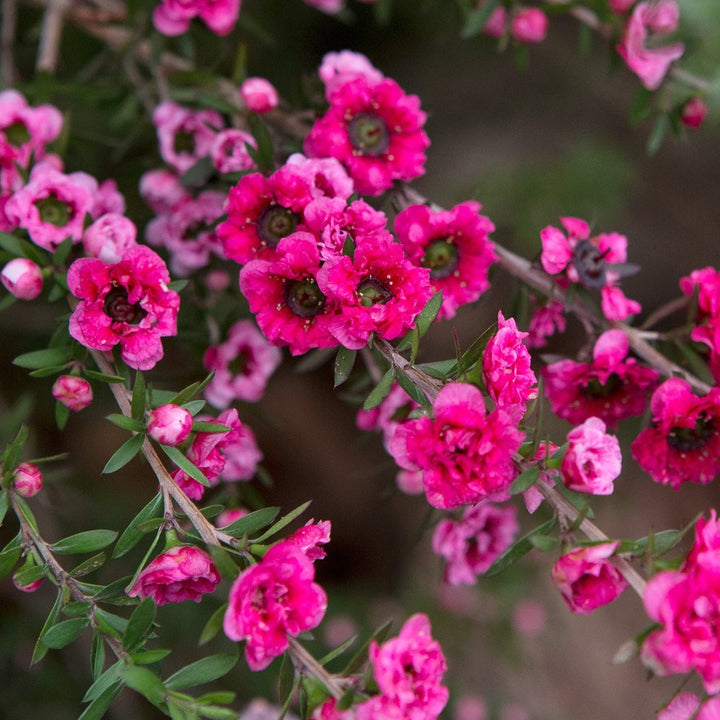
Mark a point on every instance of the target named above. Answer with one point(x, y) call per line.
point(28, 480)
point(693, 113)
point(593, 459)
point(259, 95)
point(530, 25)
point(30, 587)
point(109, 236)
point(496, 23)
point(22, 278)
point(170, 424)
point(621, 6)
point(73, 392)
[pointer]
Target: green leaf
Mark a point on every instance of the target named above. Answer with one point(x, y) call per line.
point(14, 451)
point(380, 391)
point(339, 650)
point(102, 377)
point(43, 358)
point(213, 625)
point(62, 634)
point(132, 535)
point(473, 353)
point(4, 505)
point(111, 623)
point(657, 135)
point(144, 682)
point(10, 555)
point(641, 108)
point(26, 512)
point(228, 569)
point(194, 406)
point(344, 362)
point(410, 388)
point(102, 682)
point(139, 399)
point(148, 657)
point(519, 549)
point(88, 566)
point(62, 251)
point(252, 522)
point(126, 423)
point(359, 658)
point(97, 655)
point(283, 522)
point(427, 316)
point(209, 427)
point(139, 624)
point(79, 608)
point(84, 542)
point(202, 671)
point(99, 706)
point(264, 154)
point(29, 573)
point(199, 173)
point(62, 415)
point(525, 480)
point(124, 454)
point(544, 542)
point(40, 649)
point(191, 390)
point(186, 465)
point(660, 543)
point(477, 18)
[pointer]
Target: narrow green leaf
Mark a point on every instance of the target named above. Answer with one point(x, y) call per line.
point(228, 569)
point(191, 390)
point(199, 173)
point(4, 505)
point(657, 135)
point(40, 649)
point(102, 377)
point(144, 682)
point(102, 682)
point(283, 522)
point(14, 451)
point(186, 465)
point(209, 427)
point(148, 657)
point(477, 19)
point(474, 352)
point(380, 391)
point(264, 154)
point(111, 623)
point(252, 522)
point(88, 566)
point(62, 251)
point(213, 625)
point(79, 608)
point(9, 556)
point(359, 658)
point(99, 706)
point(29, 574)
point(62, 415)
point(519, 549)
point(83, 542)
point(43, 358)
point(64, 632)
point(139, 399)
point(224, 697)
point(124, 454)
point(525, 480)
point(126, 423)
point(339, 650)
point(202, 671)
point(139, 624)
point(26, 512)
point(410, 388)
point(344, 361)
point(544, 542)
point(214, 712)
point(428, 314)
point(132, 534)
point(194, 406)
point(97, 655)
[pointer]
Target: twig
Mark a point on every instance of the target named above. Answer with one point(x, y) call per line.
point(50, 38)
point(429, 385)
point(303, 660)
point(8, 71)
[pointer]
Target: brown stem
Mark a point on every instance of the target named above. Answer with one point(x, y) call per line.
point(429, 385)
point(304, 661)
point(50, 38)
point(8, 72)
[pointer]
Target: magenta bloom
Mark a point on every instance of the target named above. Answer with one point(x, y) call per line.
point(707, 331)
point(408, 670)
point(169, 424)
point(229, 151)
point(127, 302)
point(611, 387)
point(465, 453)
point(289, 307)
point(74, 392)
point(52, 206)
point(172, 17)
point(593, 459)
point(506, 366)
point(454, 244)
point(638, 47)
point(271, 600)
point(338, 68)
point(22, 278)
point(310, 537)
point(184, 572)
point(590, 262)
point(529, 25)
point(375, 131)
point(162, 190)
point(544, 323)
point(587, 579)
point(242, 364)
point(259, 95)
point(683, 442)
point(471, 545)
point(377, 291)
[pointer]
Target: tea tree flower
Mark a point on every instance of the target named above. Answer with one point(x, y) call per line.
point(593, 459)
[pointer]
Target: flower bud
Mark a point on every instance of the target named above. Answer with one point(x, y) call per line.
point(693, 113)
point(621, 6)
point(27, 480)
point(530, 25)
point(169, 424)
point(109, 236)
point(259, 95)
point(73, 392)
point(26, 587)
point(22, 278)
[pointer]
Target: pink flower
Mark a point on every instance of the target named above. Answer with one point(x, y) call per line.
point(389, 415)
point(465, 453)
point(497, 23)
point(611, 387)
point(242, 365)
point(638, 47)
point(259, 95)
point(27, 479)
point(707, 330)
point(681, 707)
point(229, 151)
point(169, 424)
point(289, 307)
point(126, 303)
point(378, 291)
point(471, 707)
point(375, 131)
point(529, 618)
point(172, 17)
point(183, 572)
point(229, 516)
point(693, 113)
point(408, 670)
point(73, 392)
point(544, 323)
point(109, 236)
point(22, 278)
point(506, 366)
point(587, 579)
point(310, 537)
point(529, 25)
point(471, 545)
point(455, 245)
point(51, 207)
point(328, 711)
point(593, 459)
point(683, 442)
point(107, 199)
point(341, 67)
point(185, 135)
point(327, 6)
point(326, 177)
point(162, 190)
point(275, 598)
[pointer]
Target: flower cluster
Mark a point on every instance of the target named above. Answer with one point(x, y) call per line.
point(707, 330)
point(172, 17)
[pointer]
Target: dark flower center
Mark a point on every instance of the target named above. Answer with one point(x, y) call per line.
point(441, 257)
point(304, 297)
point(239, 365)
point(184, 142)
point(596, 389)
point(685, 439)
point(590, 264)
point(275, 223)
point(53, 211)
point(118, 308)
point(373, 292)
point(369, 134)
point(16, 134)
